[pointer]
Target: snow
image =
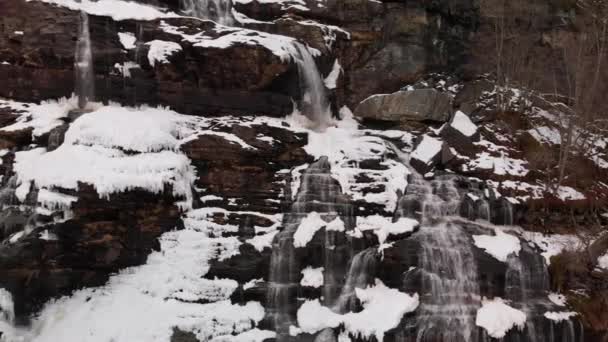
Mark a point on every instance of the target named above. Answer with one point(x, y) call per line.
point(383, 309)
point(7, 309)
point(500, 246)
point(332, 79)
point(310, 225)
point(566, 193)
point(384, 226)
point(55, 200)
point(557, 299)
point(96, 151)
point(42, 118)
point(125, 68)
point(551, 245)
point(117, 9)
point(131, 129)
point(160, 50)
point(281, 46)
point(127, 39)
point(47, 236)
point(253, 335)
point(545, 134)
point(497, 318)
point(165, 292)
point(252, 283)
point(108, 170)
point(559, 316)
point(602, 261)
point(312, 277)
point(428, 148)
point(462, 123)
point(501, 165)
point(259, 242)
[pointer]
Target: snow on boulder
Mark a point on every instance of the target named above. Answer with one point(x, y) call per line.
point(557, 299)
point(500, 246)
point(383, 309)
point(310, 225)
point(312, 277)
point(384, 226)
point(602, 262)
point(559, 316)
point(428, 153)
point(460, 133)
point(161, 50)
point(497, 318)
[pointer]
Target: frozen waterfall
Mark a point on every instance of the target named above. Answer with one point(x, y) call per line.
point(83, 64)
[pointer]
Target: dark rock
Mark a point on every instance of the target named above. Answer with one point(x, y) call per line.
point(179, 335)
point(103, 237)
point(415, 105)
point(56, 137)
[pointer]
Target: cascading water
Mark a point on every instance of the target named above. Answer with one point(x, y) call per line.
point(219, 11)
point(527, 287)
point(360, 275)
point(320, 193)
point(447, 271)
point(314, 103)
point(83, 64)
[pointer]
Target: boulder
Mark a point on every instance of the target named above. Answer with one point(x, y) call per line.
point(428, 153)
point(460, 133)
point(420, 105)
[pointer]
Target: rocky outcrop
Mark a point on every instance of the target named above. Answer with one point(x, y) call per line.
point(102, 237)
point(242, 78)
point(421, 105)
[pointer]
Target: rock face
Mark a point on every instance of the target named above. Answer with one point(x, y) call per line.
point(421, 105)
point(273, 217)
point(102, 237)
point(239, 79)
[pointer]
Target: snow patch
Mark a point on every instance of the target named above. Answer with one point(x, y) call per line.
point(559, 316)
point(310, 225)
point(161, 50)
point(383, 309)
point(428, 148)
point(312, 277)
point(500, 246)
point(462, 123)
point(384, 226)
point(497, 318)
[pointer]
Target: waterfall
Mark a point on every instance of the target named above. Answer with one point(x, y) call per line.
point(320, 193)
point(219, 11)
point(360, 275)
point(314, 104)
point(527, 287)
point(83, 64)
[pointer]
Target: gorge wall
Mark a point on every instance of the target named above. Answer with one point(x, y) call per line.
point(296, 170)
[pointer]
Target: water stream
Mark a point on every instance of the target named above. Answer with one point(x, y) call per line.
point(219, 11)
point(314, 104)
point(83, 64)
point(320, 193)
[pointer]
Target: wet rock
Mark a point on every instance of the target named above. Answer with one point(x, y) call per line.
point(426, 105)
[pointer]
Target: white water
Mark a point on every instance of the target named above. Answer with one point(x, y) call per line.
point(83, 64)
point(314, 104)
point(219, 11)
